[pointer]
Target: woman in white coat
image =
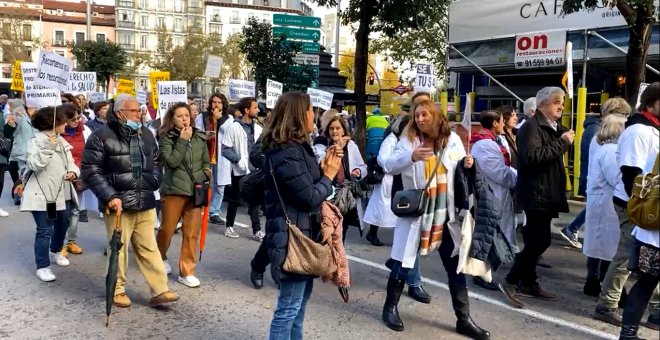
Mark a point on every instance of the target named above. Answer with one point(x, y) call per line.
point(602, 232)
point(51, 166)
point(494, 162)
point(352, 168)
point(427, 140)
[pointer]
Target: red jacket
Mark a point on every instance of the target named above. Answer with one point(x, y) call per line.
point(77, 141)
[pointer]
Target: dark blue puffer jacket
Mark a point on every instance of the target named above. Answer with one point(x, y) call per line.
point(591, 125)
point(303, 188)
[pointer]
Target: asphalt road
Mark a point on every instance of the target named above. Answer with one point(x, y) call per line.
point(227, 307)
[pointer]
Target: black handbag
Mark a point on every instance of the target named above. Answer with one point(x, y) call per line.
point(375, 172)
point(5, 146)
point(252, 187)
point(412, 202)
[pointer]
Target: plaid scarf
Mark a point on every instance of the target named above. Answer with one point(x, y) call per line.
point(435, 214)
point(137, 154)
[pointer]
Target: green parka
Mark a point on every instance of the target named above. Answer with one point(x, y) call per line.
point(180, 158)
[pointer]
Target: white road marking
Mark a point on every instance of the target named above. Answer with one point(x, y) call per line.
point(484, 298)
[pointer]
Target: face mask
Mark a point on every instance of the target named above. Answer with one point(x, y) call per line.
point(133, 125)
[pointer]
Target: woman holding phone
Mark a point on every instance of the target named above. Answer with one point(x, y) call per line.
point(48, 187)
point(185, 157)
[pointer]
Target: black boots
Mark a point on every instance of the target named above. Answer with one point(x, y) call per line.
point(257, 279)
point(591, 287)
point(390, 310)
point(468, 328)
point(419, 294)
point(372, 237)
point(464, 324)
point(629, 332)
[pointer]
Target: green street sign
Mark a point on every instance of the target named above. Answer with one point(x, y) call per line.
point(315, 84)
point(314, 69)
point(309, 47)
point(297, 33)
point(296, 20)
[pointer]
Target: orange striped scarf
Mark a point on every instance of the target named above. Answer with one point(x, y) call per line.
point(435, 214)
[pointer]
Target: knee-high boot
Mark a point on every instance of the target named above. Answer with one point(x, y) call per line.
point(464, 323)
point(390, 310)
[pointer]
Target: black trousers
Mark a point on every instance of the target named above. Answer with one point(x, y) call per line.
point(537, 239)
point(233, 196)
point(639, 298)
point(3, 168)
point(260, 260)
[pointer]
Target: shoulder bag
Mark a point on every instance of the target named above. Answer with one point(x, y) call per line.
point(304, 256)
point(645, 198)
point(412, 202)
point(200, 190)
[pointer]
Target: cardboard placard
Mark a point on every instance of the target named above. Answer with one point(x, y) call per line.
point(154, 78)
point(240, 89)
point(41, 97)
point(426, 78)
point(96, 96)
point(320, 98)
point(52, 71)
point(125, 86)
point(17, 77)
point(82, 82)
point(273, 92)
point(170, 93)
point(142, 97)
point(213, 66)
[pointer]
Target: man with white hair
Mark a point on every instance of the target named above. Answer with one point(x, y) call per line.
point(121, 166)
point(529, 108)
point(541, 187)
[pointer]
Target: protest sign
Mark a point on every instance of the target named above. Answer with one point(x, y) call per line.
point(82, 82)
point(29, 71)
point(426, 78)
point(170, 93)
point(125, 86)
point(273, 92)
point(41, 97)
point(142, 97)
point(154, 78)
point(320, 98)
point(240, 89)
point(213, 66)
point(52, 71)
point(96, 96)
point(17, 77)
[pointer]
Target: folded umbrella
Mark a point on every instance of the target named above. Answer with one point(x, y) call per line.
point(113, 265)
point(205, 226)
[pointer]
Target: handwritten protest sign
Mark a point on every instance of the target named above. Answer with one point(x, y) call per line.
point(96, 96)
point(154, 78)
point(41, 97)
point(142, 97)
point(240, 89)
point(273, 92)
point(125, 86)
point(213, 66)
point(52, 71)
point(82, 82)
point(17, 77)
point(320, 98)
point(170, 93)
point(426, 78)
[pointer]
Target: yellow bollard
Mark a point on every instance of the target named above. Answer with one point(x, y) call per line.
point(443, 102)
point(604, 96)
point(472, 97)
point(579, 130)
point(457, 107)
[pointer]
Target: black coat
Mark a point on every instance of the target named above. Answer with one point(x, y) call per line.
point(106, 167)
point(541, 182)
point(303, 188)
point(488, 241)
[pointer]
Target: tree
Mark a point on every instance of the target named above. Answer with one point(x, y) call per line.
point(639, 17)
point(163, 59)
point(272, 57)
point(16, 37)
point(106, 58)
point(189, 59)
point(234, 62)
point(389, 17)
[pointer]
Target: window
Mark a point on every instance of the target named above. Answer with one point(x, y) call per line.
point(143, 4)
point(194, 87)
point(80, 37)
point(194, 3)
point(61, 53)
point(161, 5)
point(161, 22)
point(125, 15)
point(126, 3)
point(215, 29)
point(27, 32)
point(178, 6)
point(144, 21)
point(144, 42)
point(177, 41)
point(216, 16)
point(100, 37)
point(125, 39)
point(283, 3)
point(235, 17)
point(58, 38)
point(6, 29)
point(178, 25)
point(266, 18)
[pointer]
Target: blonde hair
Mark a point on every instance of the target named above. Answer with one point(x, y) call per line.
point(611, 128)
point(441, 135)
point(614, 106)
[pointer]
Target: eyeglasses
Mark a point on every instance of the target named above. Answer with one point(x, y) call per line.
point(75, 119)
point(130, 111)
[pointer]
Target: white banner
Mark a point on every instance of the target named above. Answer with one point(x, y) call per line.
point(42, 97)
point(425, 79)
point(476, 20)
point(81, 82)
point(170, 93)
point(53, 71)
point(540, 49)
point(96, 96)
point(569, 70)
point(240, 89)
point(273, 92)
point(320, 98)
point(141, 97)
point(29, 71)
point(213, 66)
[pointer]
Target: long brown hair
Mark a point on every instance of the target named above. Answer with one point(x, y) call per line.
point(440, 134)
point(342, 122)
point(167, 122)
point(287, 120)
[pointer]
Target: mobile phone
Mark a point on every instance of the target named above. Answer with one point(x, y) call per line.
point(51, 211)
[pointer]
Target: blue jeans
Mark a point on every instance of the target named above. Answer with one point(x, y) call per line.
point(74, 218)
point(413, 275)
point(50, 234)
point(578, 222)
point(217, 194)
point(287, 323)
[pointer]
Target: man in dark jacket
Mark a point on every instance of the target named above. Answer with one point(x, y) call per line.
point(541, 187)
point(120, 165)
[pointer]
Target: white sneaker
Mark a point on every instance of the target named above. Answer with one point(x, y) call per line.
point(259, 235)
point(168, 268)
point(179, 226)
point(45, 274)
point(3, 213)
point(59, 259)
point(189, 281)
point(229, 232)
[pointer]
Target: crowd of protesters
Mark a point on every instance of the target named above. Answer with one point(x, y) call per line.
point(125, 162)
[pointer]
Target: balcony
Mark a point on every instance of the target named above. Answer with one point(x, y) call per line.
point(126, 24)
point(216, 18)
point(195, 10)
point(126, 4)
point(127, 47)
point(59, 42)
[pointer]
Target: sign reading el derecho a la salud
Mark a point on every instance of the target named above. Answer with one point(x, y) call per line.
point(170, 93)
point(82, 82)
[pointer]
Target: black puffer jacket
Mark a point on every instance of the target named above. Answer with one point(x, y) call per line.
point(303, 188)
point(106, 166)
point(488, 241)
point(541, 176)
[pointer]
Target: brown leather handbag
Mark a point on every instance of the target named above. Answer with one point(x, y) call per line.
point(304, 256)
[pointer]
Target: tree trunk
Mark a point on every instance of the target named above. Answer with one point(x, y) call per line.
point(360, 77)
point(638, 50)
